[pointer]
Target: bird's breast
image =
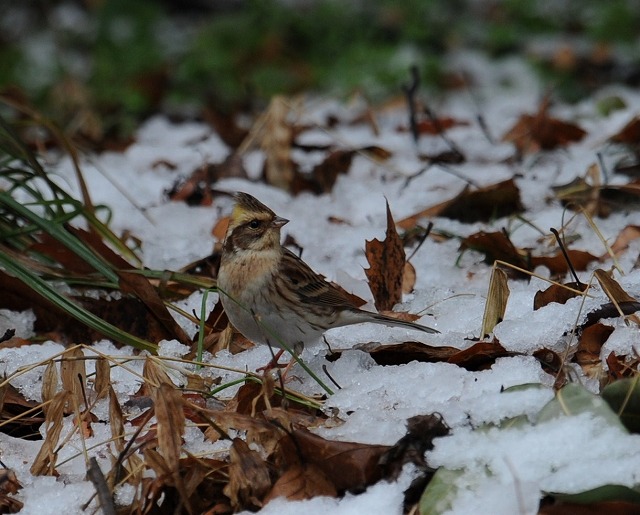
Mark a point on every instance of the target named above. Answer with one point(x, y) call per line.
point(244, 273)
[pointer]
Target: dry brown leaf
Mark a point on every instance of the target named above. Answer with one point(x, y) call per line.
point(629, 134)
point(557, 264)
point(621, 367)
point(154, 373)
point(140, 286)
point(473, 205)
point(612, 289)
point(249, 479)
point(486, 203)
point(422, 430)
point(49, 383)
point(83, 421)
point(74, 376)
point(626, 236)
point(351, 466)
point(560, 507)
point(301, 482)
point(589, 346)
point(496, 303)
point(225, 125)
point(496, 246)
point(156, 462)
point(377, 153)
point(45, 461)
point(408, 278)
point(72, 263)
point(274, 133)
point(386, 259)
point(324, 174)
point(557, 293)
point(532, 133)
point(436, 126)
point(14, 342)
point(257, 429)
point(116, 420)
point(13, 406)
point(197, 189)
point(552, 364)
point(403, 353)
point(480, 355)
point(102, 382)
point(219, 230)
point(9, 485)
point(597, 199)
point(169, 411)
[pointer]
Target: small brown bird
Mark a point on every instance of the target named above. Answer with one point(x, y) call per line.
point(269, 294)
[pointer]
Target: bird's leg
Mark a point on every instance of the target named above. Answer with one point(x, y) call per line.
point(273, 364)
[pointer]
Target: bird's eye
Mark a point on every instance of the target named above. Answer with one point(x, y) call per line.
point(254, 224)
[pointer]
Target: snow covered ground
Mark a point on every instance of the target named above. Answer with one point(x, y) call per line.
point(499, 469)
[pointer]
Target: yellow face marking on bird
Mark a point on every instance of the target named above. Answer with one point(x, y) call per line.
point(252, 226)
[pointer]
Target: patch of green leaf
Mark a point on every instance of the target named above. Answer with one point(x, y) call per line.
point(602, 494)
point(623, 397)
point(440, 492)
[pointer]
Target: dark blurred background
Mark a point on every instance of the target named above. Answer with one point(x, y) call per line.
point(102, 66)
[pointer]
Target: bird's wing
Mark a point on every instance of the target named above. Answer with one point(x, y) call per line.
point(310, 286)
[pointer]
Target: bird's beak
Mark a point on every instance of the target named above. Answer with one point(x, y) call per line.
point(278, 222)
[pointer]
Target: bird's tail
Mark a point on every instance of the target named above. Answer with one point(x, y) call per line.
point(377, 318)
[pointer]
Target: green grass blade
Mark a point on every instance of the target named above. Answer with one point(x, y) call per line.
point(63, 236)
point(78, 312)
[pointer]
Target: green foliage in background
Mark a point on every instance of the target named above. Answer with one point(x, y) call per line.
point(133, 58)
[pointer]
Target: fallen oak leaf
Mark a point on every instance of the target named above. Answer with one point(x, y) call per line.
point(386, 259)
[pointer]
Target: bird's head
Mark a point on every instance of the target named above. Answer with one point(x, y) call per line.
point(253, 226)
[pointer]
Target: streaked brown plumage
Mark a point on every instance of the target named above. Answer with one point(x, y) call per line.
point(270, 294)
